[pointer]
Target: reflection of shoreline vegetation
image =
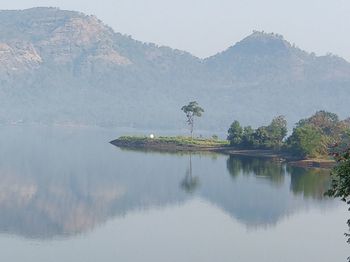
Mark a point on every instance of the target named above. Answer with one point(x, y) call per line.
point(145, 150)
point(77, 190)
point(311, 183)
point(95, 197)
point(260, 167)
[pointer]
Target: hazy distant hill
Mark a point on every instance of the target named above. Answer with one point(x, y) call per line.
point(65, 67)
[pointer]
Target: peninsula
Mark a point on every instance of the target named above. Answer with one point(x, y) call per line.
point(186, 144)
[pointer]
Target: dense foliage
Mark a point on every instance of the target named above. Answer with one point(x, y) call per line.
point(311, 138)
point(307, 141)
point(267, 137)
point(340, 175)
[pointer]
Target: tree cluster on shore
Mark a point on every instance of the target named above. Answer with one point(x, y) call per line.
point(264, 137)
point(311, 137)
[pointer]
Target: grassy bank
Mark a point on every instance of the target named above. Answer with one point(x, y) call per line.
point(170, 143)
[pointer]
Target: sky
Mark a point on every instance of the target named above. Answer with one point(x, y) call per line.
point(205, 27)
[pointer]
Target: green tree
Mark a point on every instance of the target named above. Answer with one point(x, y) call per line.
point(192, 110)
point(261, 137)
point(248, 137)
point(277, 131)
point(340, 175)
point(270, 136)
point(235, 134)
point(327, 122)
point(307, 141)
point(313, 136)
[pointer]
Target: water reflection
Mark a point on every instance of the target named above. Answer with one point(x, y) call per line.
point(259, 167)
point(309, 182)
point(190, 183)
point(60, 183)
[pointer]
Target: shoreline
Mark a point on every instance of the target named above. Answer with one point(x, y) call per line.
point(174, 144)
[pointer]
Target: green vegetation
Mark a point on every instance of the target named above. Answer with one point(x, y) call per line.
point(192, 110)
point(265, 137)
point(235, 133)
point(311, 138)
point(341, 172)
point(340, 175)
point(307, 141)
point(171, 141)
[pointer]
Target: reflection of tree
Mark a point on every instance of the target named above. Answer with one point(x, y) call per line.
point(309, 182)
point(189, 183)
point(260, 167)
point(234, 166)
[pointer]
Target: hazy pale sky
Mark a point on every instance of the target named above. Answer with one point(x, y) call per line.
point(205, 27)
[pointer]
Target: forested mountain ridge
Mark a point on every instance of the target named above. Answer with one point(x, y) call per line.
point(262, 55)
point(64, 67)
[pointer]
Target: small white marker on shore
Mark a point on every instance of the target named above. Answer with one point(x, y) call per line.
point(151, 136)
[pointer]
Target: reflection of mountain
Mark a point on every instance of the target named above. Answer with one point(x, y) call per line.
point(59, 186)
point(62, 183)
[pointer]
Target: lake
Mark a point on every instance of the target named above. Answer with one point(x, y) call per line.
point(66, 194)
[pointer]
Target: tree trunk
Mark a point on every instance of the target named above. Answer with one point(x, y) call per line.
point(192, 130)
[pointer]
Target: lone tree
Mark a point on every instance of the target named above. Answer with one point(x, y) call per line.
point(192, 110)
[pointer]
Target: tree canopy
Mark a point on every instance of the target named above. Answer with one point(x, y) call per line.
point(341, 172)
point(340, 175)
point(268, 137)
point(313, 136)
point(235, 133)
point(192, 110)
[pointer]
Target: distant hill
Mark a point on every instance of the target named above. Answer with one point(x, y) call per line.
point(64, 67)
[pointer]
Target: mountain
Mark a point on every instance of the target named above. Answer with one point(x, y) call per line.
point(64, 67)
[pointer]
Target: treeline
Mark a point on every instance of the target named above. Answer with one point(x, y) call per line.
point(311, 137)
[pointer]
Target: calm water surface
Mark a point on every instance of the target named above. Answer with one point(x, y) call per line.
point(68, 195)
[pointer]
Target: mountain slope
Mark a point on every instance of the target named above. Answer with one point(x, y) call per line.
point(63, 67)
point(262, 55)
